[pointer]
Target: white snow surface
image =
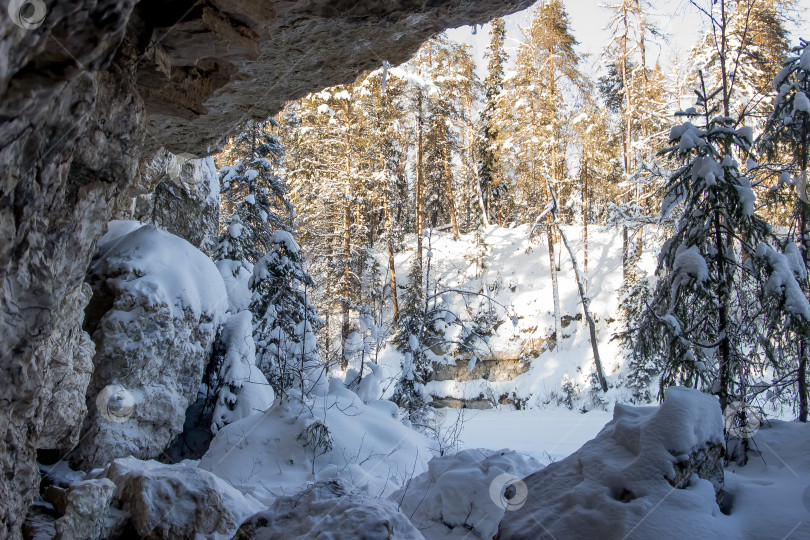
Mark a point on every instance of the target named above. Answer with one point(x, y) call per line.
point(801, 103)
point(546, 435)
point(147, 258)
point(689, 261)
point(265, 455)
point(460, 495)
point(236, 277)
point(118, 228)
point(782, 279)
point(615, 486)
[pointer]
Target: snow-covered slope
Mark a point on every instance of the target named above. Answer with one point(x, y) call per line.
point(522, 363)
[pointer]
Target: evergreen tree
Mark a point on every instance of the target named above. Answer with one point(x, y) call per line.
point(285, 331)
point(698, 326)
point(742, 52)
point(533, 111)
point(491, 184)
point(414, 334)
point(787, 135)
point(253, 196)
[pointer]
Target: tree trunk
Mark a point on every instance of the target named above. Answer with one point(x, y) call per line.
point(448, 184)
point(585, 211)
point(586, 306)
point(804, 231)
point(802, 380)
point(625, 255)
point(420, 179)
point(391, 268)
point(347, 252)
point(801, 375)
point(724, 367)
point(554, 283)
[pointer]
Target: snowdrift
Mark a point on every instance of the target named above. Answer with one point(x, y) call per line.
point(652, 472)
point(463, 495)
point(335, 436)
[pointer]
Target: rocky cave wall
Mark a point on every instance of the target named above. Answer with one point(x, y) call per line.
point(88, 96)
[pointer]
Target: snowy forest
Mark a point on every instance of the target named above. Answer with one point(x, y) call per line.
point(512, 287)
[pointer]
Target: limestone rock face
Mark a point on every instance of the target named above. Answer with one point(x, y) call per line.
point(234, 60)
point(70, 360)
point(328, 509)
point(62, 163)
point(101, 84)
point(177, 194)
point(157, 303)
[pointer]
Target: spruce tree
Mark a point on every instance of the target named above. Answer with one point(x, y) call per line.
point(698, 324)
point(253, 196)
point(786, 140)
point(286, 321)
point(492, 185)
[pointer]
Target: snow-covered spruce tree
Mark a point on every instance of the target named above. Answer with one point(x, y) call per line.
point(786, 140)
point(412, 334)
point(491, 183)
point(698, 327)
point(242, 390)
point(253, 196)
point(284, 319)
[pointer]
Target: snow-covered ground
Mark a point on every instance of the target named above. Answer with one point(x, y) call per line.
point(516, 274)
point(545, 434)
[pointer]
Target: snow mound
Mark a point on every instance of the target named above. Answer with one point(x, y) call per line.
point(463, 495)
point(118, 228)
point(329, 510)
point(652, 472)
point(143, 262)
point(331, 436)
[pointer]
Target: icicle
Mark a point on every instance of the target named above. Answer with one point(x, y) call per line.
point(384, 77)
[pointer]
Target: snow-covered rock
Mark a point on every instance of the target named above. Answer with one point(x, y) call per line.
point(177, 501)
point(179, 195)
point(639, 478)
point(329, 510)
point(157, 302)
point(293, 443)
point(462, 495)
point(86, 506)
